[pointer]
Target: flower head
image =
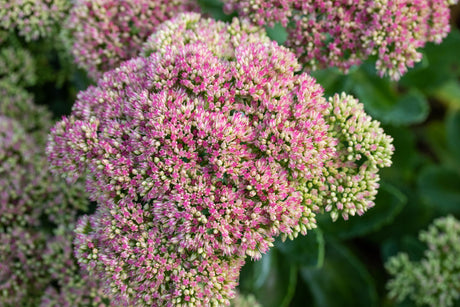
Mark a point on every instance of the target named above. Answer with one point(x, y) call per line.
point(31, 202)
point(17, 67)
point(17, 103)
point(69, 285)
point(205, 149)
point(434, 280)
point(106, 32)
point(21, 266)
point(350, 181)
point(33, 19)
point(344, 33)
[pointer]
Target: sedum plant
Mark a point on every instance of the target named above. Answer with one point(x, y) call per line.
point(344, 33)
point(203, 150)
point(37, 211)
point(435, 279)
point(18, 104)
point(32, 19)
point(72, 286)
point(104, 33)
point(17, 66)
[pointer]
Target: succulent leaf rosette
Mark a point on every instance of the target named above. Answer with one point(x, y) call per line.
point(203, 150)
point(344, 33)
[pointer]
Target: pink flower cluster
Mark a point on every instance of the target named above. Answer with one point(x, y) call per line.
point(18, 104)
point(17, 175)
point(72, 286)
point(143, 264)
point(21, 268)
point(344, 33)
point(202, 151)
point(33, 254)
point(106, 32)
point(33, 19)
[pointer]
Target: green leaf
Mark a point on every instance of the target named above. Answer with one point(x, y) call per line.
point(449, 93)
point(277, 33)
point(215, 9)
point(388, 204)
point(381, 100)
point(405, 158)
point(453, 133)
point(272, 279)
point(332, 80)
point(407, 244)
point(443, 65)
point(414, 216)
point(304, 250)
point(342, 281)
point(440, 188)
point(435, 135)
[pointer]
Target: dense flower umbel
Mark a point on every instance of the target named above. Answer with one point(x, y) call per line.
point(435, 279)
point(145, 265)
point(17, 66)
point(106, 32)
point(18, 176)
point(32, 19)
point(350, 180)
point(344, 33)
point(31, 202)
point(209, 148)
point(17, 103)
point(22, 272)
point(71, 287)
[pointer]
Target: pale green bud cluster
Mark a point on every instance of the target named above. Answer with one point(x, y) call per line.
point(350, 181)
point(435, 279)
point(242, 300)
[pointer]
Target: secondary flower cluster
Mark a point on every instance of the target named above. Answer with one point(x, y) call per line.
point(106, 32)
point(202, 151)
point(32, 203)
point(344, 33)
point(17, 67)
point(17, 103)
point(435, 279)
point(350, 179)
point(33, 19)
point(72, 286)
point(242, 300)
